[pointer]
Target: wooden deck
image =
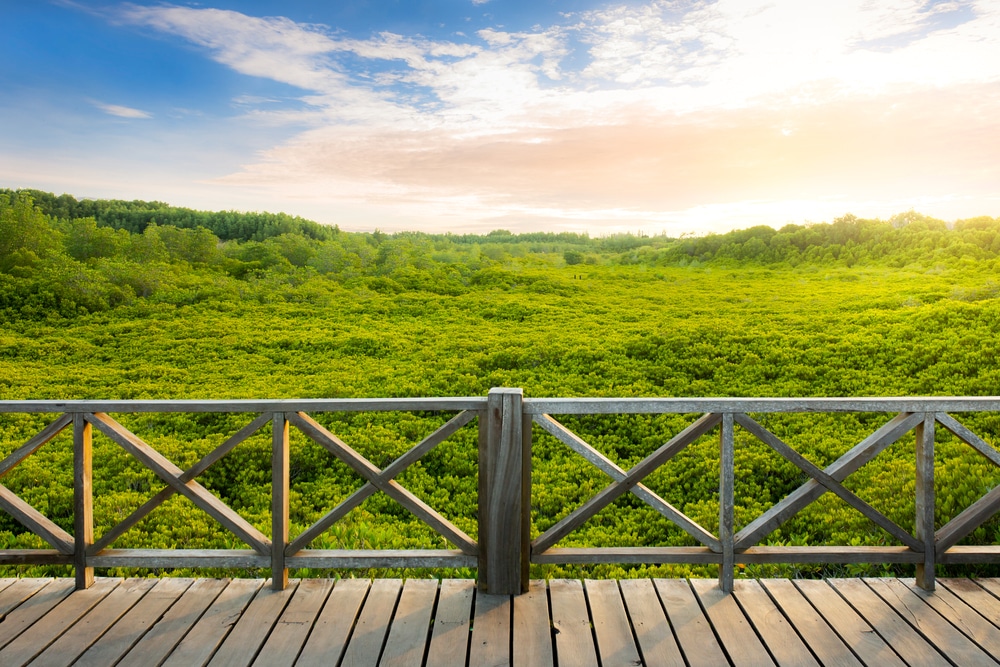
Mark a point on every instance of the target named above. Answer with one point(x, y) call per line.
point(609, 623)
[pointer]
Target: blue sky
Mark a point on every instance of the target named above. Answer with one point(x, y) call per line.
point(469, 115)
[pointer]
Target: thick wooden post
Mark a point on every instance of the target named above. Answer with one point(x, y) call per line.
point(83, 500)
point(727, 462)
point(924, 504)
point(279, 500)
point(504, 494)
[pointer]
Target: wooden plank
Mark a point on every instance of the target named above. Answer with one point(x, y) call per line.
point(924, 501)
point(612, 630)
point(504, 496)
point(198, 645)
point(849, 462)
point(411, 625)
point(976, 596)
point(965, 618)
point(391, 488)
point(365, 645)
point(56, 621)
point(918, 613)
point(171, 474)
point(79, 638)
point(866, 644)
point(615, 472)
point(656, 641)
point(34, 557)
point(636, 474)
point(808, 467)
point(727, 486)
point(292, 629)
point(83, 500)
point(430, 404)
point(328, 639)
point(598, 406)
point(813, 628)
point(391, 471)
point(172, 558)
point(36, 441)
point(731, 626)
point(489, 645)
point(14, 591)
point(387, 558)
point(167, 632)
point(693, 631)
point(24, 603)
point(254, 626)
point(783, 643)
point(279, 500)
point(532, 631)
point(449, 646)
point(575, 646)
point(912, 648)
point(120, 637)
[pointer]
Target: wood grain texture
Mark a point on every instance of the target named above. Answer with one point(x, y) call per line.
point(575, 646)
point(411, 625)
point(783, 643)
point(615, 644)
point(293, 627)
point(827, 646)
point(693, 630)
point(449, 644)
point(328, 639)
point(532, 641)
point(489, 645)
point(735, 632)
point(653, 634)
point(366, 643)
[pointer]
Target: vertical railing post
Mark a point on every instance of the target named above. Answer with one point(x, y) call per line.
point(727, 462)
point(504, 494)
point(924, 502)
point(83, 500)
point(279, 500)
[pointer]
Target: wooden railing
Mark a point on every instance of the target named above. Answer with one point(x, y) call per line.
point(504, 549)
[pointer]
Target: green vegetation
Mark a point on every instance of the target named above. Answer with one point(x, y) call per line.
point(138, 300)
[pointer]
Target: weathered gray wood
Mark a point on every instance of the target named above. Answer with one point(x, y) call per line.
point(411, 625)
point(291, 630)
point(575, 645)
point(504, 496)
point(83, 501)
point(279, 500)
point(942, 634)
point(254, 626)
point(968, 520)
point(15, 591)
point(656, 641)
point(35, 521)
point(368, 639)
point(731, 625)
point(391, 471)
point(36, 441)
point(367, 558)
point(328, 639)
point(965, 555)
point(757, 555)
point(968, 620)
point(489, 644)
point(56, 621)
point(808, 467)
point(783, 643)
point(866, 644)
point(201, 466)
point(603, 406)
point(156, 644)
point(911, 647)
point(693, 631)
point(34, 557)
point(813, 628)
point(727, 502)
point(64, 651)
point(212, 627)
point(614, 490)
point(32, 602)
point(612, 630)
point(969, 437)
point(449, 644)
point(975, 595)
point(924, 501)
point(133, 625)
point(615, 472)
point(532, 640)
point(391, 488)
point(446, 404)
point(164, 558)
point(171, 474)
point(853, 459)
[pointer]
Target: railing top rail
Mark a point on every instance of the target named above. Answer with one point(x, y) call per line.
point(701, 405)
point(252, 405)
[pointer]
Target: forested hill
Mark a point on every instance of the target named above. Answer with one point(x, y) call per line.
point(60, 255)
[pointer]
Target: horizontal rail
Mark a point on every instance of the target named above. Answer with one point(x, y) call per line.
point(251, 405)
point(596, 406)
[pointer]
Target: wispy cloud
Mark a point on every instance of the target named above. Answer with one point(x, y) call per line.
point(678, 105)
point(120, 111)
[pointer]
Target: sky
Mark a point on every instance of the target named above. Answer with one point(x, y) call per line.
point(655, 116)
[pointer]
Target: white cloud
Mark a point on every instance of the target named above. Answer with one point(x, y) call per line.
point(120, 111)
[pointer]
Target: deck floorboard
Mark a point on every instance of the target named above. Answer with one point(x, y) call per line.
point(429, 623)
